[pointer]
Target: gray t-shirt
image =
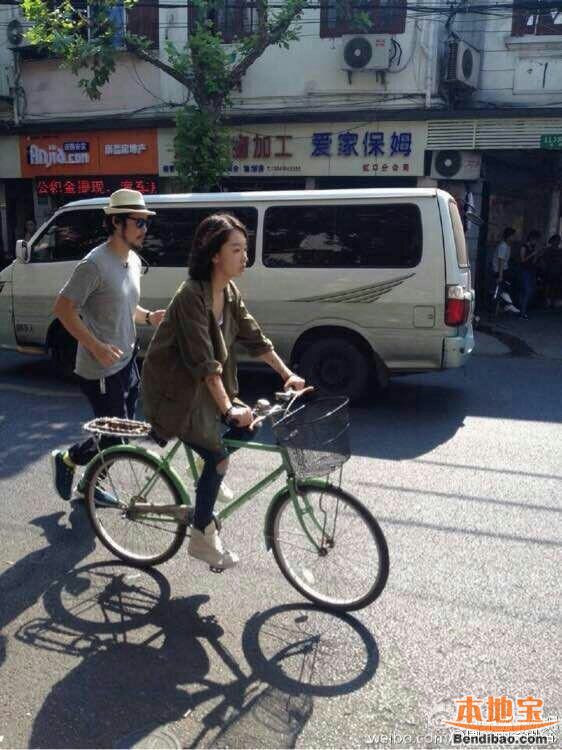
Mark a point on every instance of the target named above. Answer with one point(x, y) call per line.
point(106, 292)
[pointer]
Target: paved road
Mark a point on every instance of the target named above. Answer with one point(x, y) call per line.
point(462, 469)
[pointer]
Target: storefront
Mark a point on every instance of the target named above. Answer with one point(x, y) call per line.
point(316, 155)
point(16, 198)
point(78, 165)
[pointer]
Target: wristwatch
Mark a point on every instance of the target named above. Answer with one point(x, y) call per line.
point(147, 318)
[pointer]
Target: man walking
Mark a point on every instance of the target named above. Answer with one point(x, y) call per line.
point(99, 307)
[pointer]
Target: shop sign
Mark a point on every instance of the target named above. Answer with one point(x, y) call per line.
point(388, 148)
point(552, 142)
point(77, 187)
point(106, 153)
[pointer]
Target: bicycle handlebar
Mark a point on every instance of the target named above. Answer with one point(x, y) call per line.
point(263, 409)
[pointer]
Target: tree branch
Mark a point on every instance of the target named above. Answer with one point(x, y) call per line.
point(142, 54)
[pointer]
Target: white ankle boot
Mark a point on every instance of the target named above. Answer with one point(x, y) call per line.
point(225, 493)
point(208, 547)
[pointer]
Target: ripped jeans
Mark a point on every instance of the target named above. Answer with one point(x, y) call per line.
point(210, 480)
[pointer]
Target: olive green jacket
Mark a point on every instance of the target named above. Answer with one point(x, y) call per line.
point(188, 346)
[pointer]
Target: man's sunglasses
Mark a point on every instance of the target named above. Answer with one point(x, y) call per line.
point(139, 223)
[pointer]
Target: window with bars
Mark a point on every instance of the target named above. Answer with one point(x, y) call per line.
point(141, 19)
point(536, 22)
point(232, 19)
point(339, 17)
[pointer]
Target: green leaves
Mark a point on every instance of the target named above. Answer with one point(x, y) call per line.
point(85, 42)
point(203, 149)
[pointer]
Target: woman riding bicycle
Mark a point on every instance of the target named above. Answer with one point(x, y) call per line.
point(189, 382)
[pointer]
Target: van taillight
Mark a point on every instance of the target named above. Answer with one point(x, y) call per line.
point(457, 306)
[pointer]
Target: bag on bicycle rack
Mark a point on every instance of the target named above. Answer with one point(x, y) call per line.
point(316, 436)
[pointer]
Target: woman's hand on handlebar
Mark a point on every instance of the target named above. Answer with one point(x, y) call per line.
point(294, 383)
point(241, 416)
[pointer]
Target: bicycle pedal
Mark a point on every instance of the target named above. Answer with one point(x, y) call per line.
point(214, 569)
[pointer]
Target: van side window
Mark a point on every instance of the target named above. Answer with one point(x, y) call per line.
point(70, 236)
point(343, 236)
point(458, 234)
point(169, 238)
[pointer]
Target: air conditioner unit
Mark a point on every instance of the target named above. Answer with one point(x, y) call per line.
point(366, 52)
point(462, 65)
point(15, 32)
point(456, 165)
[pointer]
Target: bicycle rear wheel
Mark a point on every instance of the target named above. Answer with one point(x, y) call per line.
point(112, 482)
point(345, 567)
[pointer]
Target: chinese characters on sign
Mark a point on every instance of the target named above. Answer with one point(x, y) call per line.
point(372, 144)
point(368, 149)
point(85, 154)
point(123, 149)
point(93, 186)
point(499, 715)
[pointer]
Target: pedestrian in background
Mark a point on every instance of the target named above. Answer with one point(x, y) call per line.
point(529, 255)
point(552, 270)
point(99, 307)
point(502, 272)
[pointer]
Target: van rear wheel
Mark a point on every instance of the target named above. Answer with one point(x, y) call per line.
point(335, 366)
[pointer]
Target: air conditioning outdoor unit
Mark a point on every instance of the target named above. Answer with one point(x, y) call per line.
point(366, 52)
point(456, 165)
point(15, 31)
point(462, 65)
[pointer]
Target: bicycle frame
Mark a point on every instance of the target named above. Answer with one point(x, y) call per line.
point(175, 513)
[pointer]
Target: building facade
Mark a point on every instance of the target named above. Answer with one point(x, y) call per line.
point(457, 97)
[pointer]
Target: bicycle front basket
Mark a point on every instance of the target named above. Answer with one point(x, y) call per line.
point(316, 436)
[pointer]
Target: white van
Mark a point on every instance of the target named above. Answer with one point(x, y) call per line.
point(347, 283)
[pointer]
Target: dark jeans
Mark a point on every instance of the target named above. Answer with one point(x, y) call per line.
point(119, 400)
point(528, 286)
point(210, 480)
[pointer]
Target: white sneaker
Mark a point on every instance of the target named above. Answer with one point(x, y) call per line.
point(512, 309)
point(226, 495)
point(208, 547)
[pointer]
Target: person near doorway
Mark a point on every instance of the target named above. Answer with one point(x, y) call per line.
point(99, 306)
point(529, 255)
point(552, 272)
point(502, 271)
point(30, 227)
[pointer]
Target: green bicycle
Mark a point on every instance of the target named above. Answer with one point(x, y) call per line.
point(325, 541)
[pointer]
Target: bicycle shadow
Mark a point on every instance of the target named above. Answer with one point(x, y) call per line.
point(22, 584)
point(155, 685)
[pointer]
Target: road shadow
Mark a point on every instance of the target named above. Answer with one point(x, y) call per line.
point(38, 412)
point(155, 687)
point(24, 582)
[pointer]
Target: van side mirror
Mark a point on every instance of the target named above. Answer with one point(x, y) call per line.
point(22, 251)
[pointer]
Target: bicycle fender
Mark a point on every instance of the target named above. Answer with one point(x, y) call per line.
point(170, 472)
point(317, 484)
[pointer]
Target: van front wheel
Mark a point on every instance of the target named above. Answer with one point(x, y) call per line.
point(335, 366)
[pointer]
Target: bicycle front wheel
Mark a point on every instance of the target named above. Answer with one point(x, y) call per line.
point(329, 547)
point(113, 481)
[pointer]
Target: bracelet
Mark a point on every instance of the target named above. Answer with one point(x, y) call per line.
point(227, 412)
point(147, 318)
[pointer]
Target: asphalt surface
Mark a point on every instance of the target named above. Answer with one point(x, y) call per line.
point(462, 469)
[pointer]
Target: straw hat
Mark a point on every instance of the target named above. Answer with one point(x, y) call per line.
point(128, 202)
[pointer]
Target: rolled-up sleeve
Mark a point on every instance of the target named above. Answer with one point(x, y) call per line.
point(191, 322)
point(250, 335)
